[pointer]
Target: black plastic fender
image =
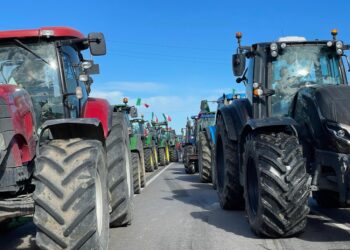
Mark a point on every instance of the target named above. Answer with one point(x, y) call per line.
point(90, 128)
point(235, 117)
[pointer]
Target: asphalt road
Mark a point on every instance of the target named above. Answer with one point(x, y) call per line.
point(176, 211)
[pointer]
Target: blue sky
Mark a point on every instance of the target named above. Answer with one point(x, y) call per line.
point(173, 54)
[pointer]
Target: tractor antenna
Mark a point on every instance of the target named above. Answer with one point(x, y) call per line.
point(239, 37)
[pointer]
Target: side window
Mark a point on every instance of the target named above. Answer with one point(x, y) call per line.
point(71, 63)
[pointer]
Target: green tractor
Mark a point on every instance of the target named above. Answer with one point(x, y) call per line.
point(162, 142)
point(149, 144)
point(136, 146)
point(173, 142)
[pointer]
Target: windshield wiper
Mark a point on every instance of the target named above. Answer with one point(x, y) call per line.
point(22, 45)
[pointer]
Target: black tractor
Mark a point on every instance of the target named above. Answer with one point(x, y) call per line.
point(289, 137)
point(190, 156)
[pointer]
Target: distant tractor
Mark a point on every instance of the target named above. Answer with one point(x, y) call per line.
point(205, 131)
point(136, 145)
point(149, 144)
point(173, 145)
point(190, 156)
point(162, 142)
point(290, 136)
point(64, 156)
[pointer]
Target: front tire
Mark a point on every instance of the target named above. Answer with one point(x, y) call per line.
point(173, 154)
point(276, 185)
point(71, 197)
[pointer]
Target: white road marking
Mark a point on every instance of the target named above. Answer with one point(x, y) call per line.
point(156, 176)
point(330, 221)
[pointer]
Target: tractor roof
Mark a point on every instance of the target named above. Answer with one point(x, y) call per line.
point(65, 32)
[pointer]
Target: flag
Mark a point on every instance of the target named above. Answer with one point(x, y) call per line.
point(167, 117)
point(154, 117)
point(138, 102)
point(146, 105)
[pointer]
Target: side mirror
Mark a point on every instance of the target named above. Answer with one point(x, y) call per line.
point(238, 64)
point(97, 44)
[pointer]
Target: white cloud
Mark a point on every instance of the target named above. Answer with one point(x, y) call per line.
point(113, 97)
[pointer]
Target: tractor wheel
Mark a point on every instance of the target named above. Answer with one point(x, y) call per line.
point(149, 163)
point(213, 168)
point(155, 158)
point(204, 158)
point(275, 184)
point(173, 154)
point(327, 198)
point(120, 179)
point(136, 166)
point(142, 162)
point(191, 169)
point(228, 187)
point(162, 156)
point(71, 197)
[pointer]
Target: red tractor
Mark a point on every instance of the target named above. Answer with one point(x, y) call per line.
point(63, 155)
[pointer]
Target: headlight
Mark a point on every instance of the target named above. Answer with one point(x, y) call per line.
point(2, 142)
point(341, 131)
point(339, 45)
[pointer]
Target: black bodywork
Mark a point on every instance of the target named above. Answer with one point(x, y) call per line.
point(315, 116)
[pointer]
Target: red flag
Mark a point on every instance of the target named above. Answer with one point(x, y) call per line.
point(146, 105)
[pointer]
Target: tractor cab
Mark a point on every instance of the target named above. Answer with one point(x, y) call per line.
point(49, 65)
point(278, 70)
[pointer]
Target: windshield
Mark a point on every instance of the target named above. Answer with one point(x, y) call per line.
point(207, 120)
point(137, 128)
point(41, 80)
point(299, 66)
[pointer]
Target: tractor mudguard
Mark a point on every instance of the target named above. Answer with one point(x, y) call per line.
point(101, 110)
point(90, 128)
point(264, 123)
point(235, 117)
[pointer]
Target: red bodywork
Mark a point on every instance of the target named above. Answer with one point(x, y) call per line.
point(31, 33)
point(99, 109)
point(20, 108)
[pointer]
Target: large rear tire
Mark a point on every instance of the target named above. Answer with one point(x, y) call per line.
point(120, 178)
point(136, 166)
point(167, 155)
point(162, 156)
point(71, 197)
point(228, 187)
point(149, 162)
point(204, 158)
point(275, 184)
point(173, 154)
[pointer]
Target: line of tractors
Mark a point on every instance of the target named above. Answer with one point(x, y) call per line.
point(284, 141)
point(72, 160)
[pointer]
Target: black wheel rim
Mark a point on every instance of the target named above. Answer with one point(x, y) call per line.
point(252, 187)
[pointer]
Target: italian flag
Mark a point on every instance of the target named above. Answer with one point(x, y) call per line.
point(138, 103)
point(154, 117)
point(167, 117)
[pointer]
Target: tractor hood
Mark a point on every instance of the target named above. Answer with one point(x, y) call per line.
point(334, 102)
